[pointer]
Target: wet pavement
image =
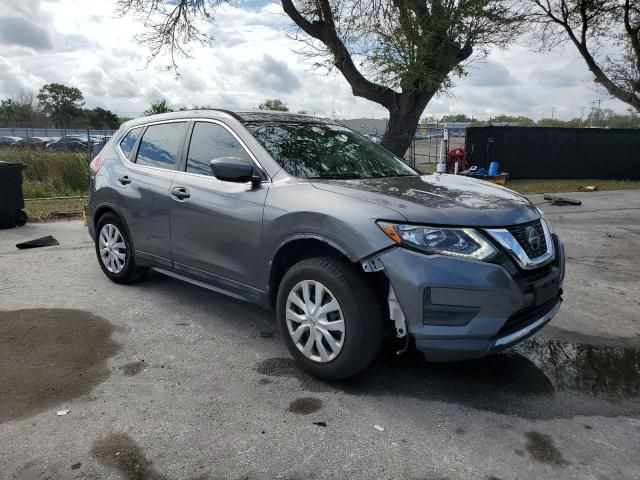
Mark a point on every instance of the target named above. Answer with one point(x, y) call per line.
point(164, 380)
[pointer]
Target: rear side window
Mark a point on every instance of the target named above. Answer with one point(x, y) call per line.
point(129, 141)
point(160, 145)
point(208, 142)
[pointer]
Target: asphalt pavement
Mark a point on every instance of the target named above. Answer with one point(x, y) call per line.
point(165, 380)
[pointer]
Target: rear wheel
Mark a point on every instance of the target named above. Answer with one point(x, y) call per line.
point(330, 317)
point(115, 251)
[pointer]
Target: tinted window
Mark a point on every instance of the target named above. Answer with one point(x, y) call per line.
point(161, 145)
point(326, 151)
point(208, 142)
point(129, 141)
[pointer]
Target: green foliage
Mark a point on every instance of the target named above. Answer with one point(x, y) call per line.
point(419, 46)
point(274, 104)
point(159, 106)
point(519, 120)
point(61, 103)
point(102, 119)
point(50, 174)
point(455, 118)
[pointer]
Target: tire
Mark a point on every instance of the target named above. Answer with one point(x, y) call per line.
point(358, 307)
point(125, 270)
point(21, 218)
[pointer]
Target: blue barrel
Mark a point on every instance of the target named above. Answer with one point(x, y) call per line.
point(494, 168)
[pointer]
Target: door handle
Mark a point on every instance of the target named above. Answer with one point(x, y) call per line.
point(124, 180)
point(180, 193)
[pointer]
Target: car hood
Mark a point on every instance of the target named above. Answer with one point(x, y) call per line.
point(440, 199)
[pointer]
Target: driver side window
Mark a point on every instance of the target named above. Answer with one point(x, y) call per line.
point(208, 142)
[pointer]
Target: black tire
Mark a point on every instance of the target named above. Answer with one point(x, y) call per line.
point(21, 218)
point(363, 318)
point(130, 273)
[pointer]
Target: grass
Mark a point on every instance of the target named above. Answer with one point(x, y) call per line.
point(42, 210)
point(50, 174)
point(556, 186)
point(64, 174)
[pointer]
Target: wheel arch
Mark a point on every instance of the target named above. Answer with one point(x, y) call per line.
point(297, 248)
point(105, 208)
point(303, 246)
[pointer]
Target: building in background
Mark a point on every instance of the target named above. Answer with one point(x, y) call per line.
point(366, 126)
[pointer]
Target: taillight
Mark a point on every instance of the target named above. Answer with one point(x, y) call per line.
point(95, 164)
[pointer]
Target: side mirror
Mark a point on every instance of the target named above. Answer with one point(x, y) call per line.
point(234, 169)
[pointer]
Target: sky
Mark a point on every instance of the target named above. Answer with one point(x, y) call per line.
point(86, 45)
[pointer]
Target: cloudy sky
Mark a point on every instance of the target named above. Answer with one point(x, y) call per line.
point(84, 44)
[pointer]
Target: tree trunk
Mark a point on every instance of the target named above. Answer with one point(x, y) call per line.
point(404, 116)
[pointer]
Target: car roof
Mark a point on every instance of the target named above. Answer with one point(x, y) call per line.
point(240, 115)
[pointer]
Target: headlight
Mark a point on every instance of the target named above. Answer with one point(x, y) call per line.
point(458, 242)
point(546, 220)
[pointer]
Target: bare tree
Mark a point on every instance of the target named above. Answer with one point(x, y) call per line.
point(27, 110)
point(606, 33)
point(396, 53)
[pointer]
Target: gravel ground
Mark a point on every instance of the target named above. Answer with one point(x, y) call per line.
point(164, 380)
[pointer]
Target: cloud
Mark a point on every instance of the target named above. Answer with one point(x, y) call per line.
point(17, 31)
point(489, 74)
point(14, 79)
point(249, 60)
point(273, 74)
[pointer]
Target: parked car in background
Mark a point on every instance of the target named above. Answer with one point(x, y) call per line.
point(345, 242)
point(374, 137)
point(70, 144)
point(31, 142)
point(8, 141)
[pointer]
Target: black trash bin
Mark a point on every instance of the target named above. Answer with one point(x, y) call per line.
point(11, 198)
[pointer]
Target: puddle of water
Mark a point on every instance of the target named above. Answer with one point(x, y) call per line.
point(305, 405)
point(132, 369)
point(538, 380)
point(604, 371)
point(542, 449)
point(50, 356)
point(120, 451)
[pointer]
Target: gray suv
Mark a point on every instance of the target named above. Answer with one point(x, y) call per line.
point(342, 239)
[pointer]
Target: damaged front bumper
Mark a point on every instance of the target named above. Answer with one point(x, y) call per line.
point(458, 309)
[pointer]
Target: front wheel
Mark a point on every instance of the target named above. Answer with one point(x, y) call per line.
point(115, 251)
point(330, 317)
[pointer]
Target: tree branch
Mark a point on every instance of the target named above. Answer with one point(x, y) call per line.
point(325, 31)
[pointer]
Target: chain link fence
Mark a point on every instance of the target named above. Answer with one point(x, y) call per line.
point(55, 139)
point(426, 146)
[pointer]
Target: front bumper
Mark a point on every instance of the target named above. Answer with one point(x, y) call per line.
point(459, 309)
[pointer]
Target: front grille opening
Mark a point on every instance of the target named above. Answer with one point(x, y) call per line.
point(524, 317)
point(531, 238)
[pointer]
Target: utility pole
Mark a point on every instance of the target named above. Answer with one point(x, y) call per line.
point(593, 109)
point(582, 115)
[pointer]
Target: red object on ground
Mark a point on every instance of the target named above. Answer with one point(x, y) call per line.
point(457, 155)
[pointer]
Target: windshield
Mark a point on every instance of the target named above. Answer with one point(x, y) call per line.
point(316, 150)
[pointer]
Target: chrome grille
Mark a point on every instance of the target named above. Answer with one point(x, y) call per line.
point(531, 238)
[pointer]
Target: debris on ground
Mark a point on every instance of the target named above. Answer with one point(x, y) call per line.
point(47, 241)
point(588, 188)
point(561, 201)
point(379, 428)
point(320, 423)
point(62, 412)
